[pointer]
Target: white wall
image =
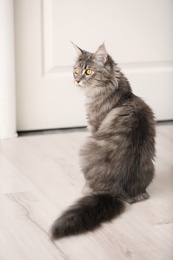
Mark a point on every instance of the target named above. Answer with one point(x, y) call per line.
point(7, 71)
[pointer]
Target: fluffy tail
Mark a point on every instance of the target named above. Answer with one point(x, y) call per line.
point(86, 215)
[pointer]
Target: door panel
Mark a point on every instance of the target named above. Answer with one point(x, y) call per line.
point(138, 34)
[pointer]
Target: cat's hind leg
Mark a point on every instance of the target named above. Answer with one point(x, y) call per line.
point(140, 197)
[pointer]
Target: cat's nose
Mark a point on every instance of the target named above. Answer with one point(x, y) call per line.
point(77, 81)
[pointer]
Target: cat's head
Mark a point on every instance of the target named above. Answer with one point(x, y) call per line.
point(94, 70)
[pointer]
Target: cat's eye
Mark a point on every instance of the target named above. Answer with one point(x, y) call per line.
point(88, 72)
point(76, 70)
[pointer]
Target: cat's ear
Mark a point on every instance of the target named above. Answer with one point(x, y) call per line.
point(78, 50)
point(101, 54)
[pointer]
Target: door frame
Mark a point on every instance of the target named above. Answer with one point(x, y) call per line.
point(7, 68)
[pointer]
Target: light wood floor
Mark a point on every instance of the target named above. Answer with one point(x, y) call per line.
point(40, 177)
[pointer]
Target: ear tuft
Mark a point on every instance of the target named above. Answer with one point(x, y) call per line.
point(101, 54)
point(78, 50)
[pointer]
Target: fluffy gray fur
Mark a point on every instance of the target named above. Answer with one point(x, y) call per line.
point(117, 159)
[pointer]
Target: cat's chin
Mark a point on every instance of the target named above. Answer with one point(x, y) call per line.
point(79, 85)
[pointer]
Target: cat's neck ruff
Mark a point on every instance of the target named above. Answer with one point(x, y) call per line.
point(97, 92)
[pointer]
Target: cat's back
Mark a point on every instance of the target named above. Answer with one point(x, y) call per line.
point(141, 110)
point(140, 118)
point(130, 121)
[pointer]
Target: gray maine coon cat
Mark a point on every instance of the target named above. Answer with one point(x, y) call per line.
point(117, 159)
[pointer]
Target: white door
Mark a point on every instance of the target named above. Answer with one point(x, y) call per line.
point(138, 34)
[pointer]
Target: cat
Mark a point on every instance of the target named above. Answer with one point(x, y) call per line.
point(117, 159)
